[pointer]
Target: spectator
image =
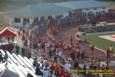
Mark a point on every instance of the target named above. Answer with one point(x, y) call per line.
point(67, 65)
point(45, 72)
point(82, 53)
point(6, 57)
point(17, 49)
point(38, 70)
point(108, 52)
point(29, 75)
point(72, 55)
point(61, 71)
point(1, 58)
point(76, 64)
point(35, 62)
point(23, 52)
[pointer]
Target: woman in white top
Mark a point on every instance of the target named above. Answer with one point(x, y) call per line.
point(45, 72)
point(67, 66)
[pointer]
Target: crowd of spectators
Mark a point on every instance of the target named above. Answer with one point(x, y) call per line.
point(54, 25)
point(59, 57)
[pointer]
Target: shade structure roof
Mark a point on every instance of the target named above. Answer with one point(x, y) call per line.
point(39, 10)
point(83, 4)
point(49, 9)
point(8, 32)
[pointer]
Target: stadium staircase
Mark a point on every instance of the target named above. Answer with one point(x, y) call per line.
point(16, 66)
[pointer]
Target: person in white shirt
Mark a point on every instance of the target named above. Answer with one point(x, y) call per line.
point(67, 66)
point(59, 54)
point(45, 72)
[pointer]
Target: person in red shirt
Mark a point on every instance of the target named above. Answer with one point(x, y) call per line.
point(66, 74)
point(78, 54)
point(92, 47)
point(108, 52)
point(92, 50)
point(61, 71)
point(71, 40)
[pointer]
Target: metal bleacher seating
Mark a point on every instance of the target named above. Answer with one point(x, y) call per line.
point(18, 65)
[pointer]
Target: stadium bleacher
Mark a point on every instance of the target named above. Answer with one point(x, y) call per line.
point(97, 29)
point(2, 69)
point(18, 65)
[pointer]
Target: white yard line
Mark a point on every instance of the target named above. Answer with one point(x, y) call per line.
point(107, 37)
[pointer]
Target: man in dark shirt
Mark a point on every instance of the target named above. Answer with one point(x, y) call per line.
point(29, 75)
point(1, 58)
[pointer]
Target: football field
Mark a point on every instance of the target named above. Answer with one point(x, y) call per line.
point(101, 40)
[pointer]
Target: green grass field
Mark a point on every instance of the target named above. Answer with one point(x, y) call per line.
point(100, 42)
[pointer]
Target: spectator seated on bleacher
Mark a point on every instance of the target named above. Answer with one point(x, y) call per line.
point(35, 62)
point(5, 57)
point(29, 75)
point(1, 57)
point(38, 70)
